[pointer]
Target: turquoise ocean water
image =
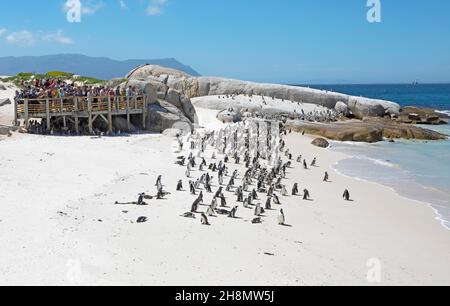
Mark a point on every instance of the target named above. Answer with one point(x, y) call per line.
point(415, 169)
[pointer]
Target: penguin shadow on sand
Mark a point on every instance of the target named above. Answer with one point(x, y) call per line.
point(286, 225)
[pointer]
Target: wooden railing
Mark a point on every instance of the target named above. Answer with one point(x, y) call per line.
point(80, 104)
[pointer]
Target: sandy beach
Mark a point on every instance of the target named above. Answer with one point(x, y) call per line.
point(60, 226)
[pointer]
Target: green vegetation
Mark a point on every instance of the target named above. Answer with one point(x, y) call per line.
point(28, 76)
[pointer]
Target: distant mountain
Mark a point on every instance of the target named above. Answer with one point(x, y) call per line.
point(97, 67)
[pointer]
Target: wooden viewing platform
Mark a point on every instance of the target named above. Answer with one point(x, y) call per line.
point(75, 109)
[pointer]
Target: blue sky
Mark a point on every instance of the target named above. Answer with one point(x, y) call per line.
point(288, 41)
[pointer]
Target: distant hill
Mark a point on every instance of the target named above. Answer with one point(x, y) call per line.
point(97, 67)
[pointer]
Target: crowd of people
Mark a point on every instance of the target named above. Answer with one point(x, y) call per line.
point(57, 88)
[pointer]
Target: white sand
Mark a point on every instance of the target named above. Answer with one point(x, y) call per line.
point(329, 243)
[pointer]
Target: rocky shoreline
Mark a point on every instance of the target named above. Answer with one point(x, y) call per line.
point(367, 130)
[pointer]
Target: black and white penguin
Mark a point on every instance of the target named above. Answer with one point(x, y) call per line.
point(281, 218)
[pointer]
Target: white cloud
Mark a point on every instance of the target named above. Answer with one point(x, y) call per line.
point(156, 7)
point(58, 37)
point(22, 38)
point(123, 4)
point(2, 31)
point(27, 38)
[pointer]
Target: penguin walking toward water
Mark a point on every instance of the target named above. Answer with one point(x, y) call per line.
point(204, 219)
point(281, 218)
point(313, 163)
point(326, 177)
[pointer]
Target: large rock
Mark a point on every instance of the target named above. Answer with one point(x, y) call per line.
point(147, 88)
point(2, 86)
point(321, 143)
point(163, 116)
point(230, 115)
point(369, 130)
point(174, 97)
point(193, 87)
point(144, 71)
point(120, 124)
point(418, 115)
point(342, 108)
point(361, 108)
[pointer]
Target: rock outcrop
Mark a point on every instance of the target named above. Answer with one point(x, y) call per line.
point(192, 87)
point(120, 124)
point(416, 115)
point(321, 143)
point(342, 108)
point(2, 86)
point(230, 115)
point(163, 116)
point(368, 130)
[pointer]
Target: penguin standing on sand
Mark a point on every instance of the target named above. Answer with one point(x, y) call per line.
point(204, 219)
point(295, 189)
point(284, 192)
point(141, 199)
point(281, 218)
point(223, 201)
point(200, 197)
point(269, 203)
point(346, 195)
point(158, 181)
point(233, 212)
point(180, 185)
point(194, 207)
point(326, 177)
point(305, 165)
point(306, 195)
point(313, 163)
point(258, 210)
point(210, 211)
point(214, 203)
point(254, 195)
point(192, 187)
